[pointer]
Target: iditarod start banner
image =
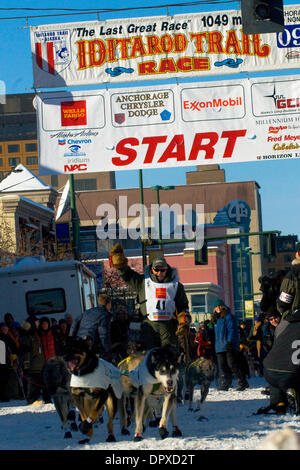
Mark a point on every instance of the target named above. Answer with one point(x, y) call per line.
point(169, 125)
point(155, 48)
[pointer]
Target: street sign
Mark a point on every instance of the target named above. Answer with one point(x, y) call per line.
point(97, 269)
point(249, 309)
point(63, 239)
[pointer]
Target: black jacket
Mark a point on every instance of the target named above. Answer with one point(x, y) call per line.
point(288, 303)
point(285, 353)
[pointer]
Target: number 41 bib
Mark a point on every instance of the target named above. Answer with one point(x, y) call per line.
point(160, 299)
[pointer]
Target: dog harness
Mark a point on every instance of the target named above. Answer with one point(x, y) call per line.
point(103, 376)
point(160, 303)
point(141, 375)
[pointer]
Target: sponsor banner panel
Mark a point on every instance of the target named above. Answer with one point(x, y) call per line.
point(175, 126)
point(162, 47)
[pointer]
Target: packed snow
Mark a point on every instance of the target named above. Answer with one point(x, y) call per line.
point(229, 425)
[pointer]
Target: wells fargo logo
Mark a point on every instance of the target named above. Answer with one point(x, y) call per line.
point(161, 293)
point(73, 113)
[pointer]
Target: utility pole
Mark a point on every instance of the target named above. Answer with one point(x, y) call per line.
point(75, 222)
point(242, 282)
point(142, 216)
point(158, 188)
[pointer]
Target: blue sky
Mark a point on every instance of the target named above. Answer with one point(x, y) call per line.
point(279, 180)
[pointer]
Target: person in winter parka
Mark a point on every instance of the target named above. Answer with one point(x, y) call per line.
point(50, 342)
point(162, 299)
point(227, 345)
point(93, 325)
point(32, 360)
point(282, 364)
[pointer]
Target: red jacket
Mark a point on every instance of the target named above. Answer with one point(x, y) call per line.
point(204, 346)
point(48, 344)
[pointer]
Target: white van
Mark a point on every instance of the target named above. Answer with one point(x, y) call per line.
point(33, 286)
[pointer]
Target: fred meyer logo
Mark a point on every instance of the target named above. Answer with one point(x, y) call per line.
point(73, 113)
point(75, 167)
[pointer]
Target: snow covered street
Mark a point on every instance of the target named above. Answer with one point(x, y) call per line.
point(230, 425)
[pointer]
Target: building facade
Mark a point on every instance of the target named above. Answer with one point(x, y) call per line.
point(106, 217)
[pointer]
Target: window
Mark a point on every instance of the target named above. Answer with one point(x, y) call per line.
point(54, 180)
point(287, 258)
point(45, 302)
point(31, 160)
point(13, 148)
point(85, 185)
point(198, 303)
point(88, 242)
point(13, 161)
point(0, 148)
point(31, 147)
point(1, 161)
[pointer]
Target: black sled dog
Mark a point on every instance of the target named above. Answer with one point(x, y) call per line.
point(200, 372)
point(56, 379)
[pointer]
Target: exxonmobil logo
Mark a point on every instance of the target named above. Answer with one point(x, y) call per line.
point(214, 103)
point(75, 167)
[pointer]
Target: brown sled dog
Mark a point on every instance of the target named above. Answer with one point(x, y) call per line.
point(94, 384)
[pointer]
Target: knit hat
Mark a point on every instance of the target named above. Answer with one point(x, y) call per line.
point(272, 312)
point(31, 320)
point(218, 303)
point(45, 320)
point(159, 262)
point(25, 325)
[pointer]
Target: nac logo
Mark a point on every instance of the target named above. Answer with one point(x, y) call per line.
point(75, 167)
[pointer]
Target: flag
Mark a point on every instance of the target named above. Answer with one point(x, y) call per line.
point(64, 203)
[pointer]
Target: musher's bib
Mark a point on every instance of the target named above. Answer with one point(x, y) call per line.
point(160, 297)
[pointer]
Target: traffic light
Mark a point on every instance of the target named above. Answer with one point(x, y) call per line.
point(262, 16)
point(270, 248)
point(201, 255)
